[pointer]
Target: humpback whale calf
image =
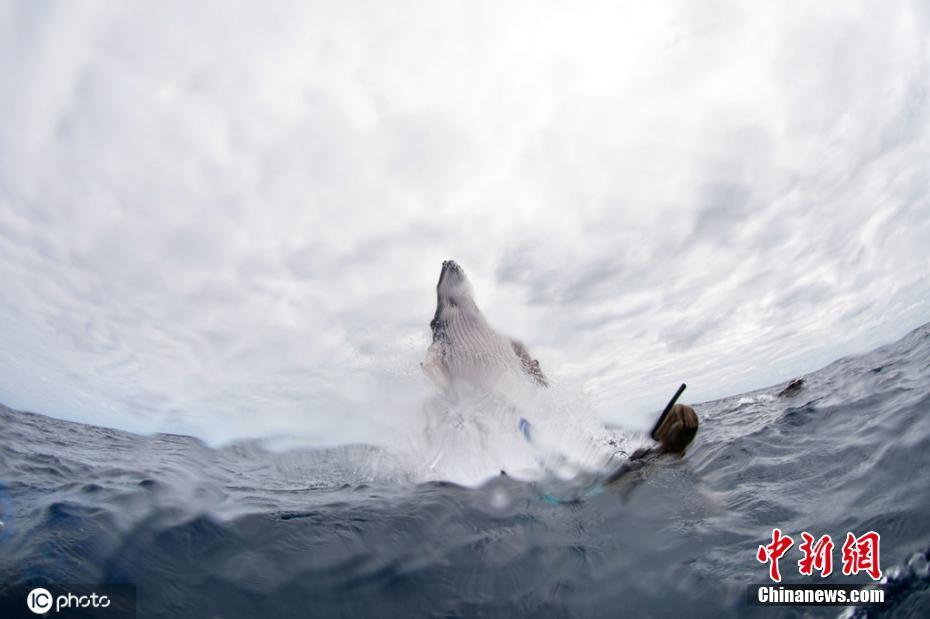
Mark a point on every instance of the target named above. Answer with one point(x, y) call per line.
point(466, 351)
point(467, 357)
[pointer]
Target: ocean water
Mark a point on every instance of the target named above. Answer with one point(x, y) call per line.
point(249, 531)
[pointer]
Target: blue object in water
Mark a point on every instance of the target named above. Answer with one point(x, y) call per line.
point(524, 426)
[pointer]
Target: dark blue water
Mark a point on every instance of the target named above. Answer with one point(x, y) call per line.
point(245, 532)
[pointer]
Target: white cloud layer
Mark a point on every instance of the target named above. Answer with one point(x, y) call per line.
point(229, 219)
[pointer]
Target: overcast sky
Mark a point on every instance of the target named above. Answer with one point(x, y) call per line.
point(229, 220)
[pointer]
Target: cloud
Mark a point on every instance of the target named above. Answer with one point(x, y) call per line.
point(229, 220)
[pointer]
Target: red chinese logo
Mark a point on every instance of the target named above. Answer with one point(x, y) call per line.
point(817, 556)
point(860, 554)
point(773, 552)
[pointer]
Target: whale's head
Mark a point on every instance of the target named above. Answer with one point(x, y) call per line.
point(453, 288)
point(454, 298)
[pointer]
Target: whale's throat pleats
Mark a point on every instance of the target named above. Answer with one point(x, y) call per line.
point(473, 350)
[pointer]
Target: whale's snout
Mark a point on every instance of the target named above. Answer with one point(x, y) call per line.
point(453, 289)
point(451, 266)
point(451, 274)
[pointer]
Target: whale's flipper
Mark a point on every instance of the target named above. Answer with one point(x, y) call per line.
point(530, 365)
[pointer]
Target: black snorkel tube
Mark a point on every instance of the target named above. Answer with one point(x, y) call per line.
point(668, 408)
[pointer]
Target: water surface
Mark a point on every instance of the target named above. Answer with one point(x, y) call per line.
point(243, 531)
